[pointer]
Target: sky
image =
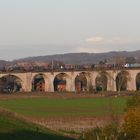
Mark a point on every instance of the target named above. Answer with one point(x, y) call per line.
point(45, 27)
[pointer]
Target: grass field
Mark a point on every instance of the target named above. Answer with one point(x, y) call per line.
point(13, 127)
point(44, 107)
point(66, 113)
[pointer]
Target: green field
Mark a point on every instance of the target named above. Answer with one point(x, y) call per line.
point(16, 128)
point(44, 107)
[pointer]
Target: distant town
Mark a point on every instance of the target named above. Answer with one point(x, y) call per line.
point(55, 65)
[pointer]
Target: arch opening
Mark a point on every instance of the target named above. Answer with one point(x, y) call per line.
point(138, 82)
point(60, 82)
point(81, 82)
point(122, 80)
point(38, 83)
point(101, 82)
point(10, 84)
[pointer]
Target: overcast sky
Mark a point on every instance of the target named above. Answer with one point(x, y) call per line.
point(42, 27)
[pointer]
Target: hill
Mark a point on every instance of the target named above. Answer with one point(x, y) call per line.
point(13, 127)
point(77, 58)
point(83, 58)
point(3, 62)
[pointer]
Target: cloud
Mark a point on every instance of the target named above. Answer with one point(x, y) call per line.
point(103, 40)
point(95, 39)
point(97, 44)
point(99, 40)
point(90, 49)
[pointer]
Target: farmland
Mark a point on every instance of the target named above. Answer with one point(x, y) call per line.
point(44, 107)
point(62, 113)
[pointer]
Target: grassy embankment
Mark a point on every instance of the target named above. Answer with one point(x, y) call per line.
point(14, 127)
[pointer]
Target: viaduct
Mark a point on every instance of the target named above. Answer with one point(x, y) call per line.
point(26, 78)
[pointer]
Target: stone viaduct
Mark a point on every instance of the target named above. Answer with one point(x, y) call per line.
point(26, 78)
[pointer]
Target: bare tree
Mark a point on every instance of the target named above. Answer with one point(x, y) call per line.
point(121, 81)
point(138, 81)
point(101, 81)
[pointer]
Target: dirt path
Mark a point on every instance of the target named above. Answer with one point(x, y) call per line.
point(57, 95)
point(77, 124)
point(49, 95)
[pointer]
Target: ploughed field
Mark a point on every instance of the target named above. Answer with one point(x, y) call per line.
point(66, 113)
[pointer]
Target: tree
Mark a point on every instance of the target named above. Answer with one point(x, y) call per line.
point(131, 124)
point(138, 81)
point(121, 81)
point(101, 82)
point(130, 60)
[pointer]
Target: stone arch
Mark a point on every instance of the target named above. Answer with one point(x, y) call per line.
point(39, 83)
point(82, 81)
point(122, 81)
point(10, 84)
point(138, 81)
point(101, 81)
point(60, 82)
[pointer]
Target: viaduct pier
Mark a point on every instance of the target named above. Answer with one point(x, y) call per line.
point(82, 80)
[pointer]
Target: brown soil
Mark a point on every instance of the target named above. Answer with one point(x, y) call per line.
point(67, 95)
point(48, 95)
point(77, 124)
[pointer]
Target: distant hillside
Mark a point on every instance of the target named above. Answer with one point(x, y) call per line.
point(83, 58)
point(3, 62)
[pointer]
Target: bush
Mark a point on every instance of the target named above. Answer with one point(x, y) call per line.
point(130, 130)
point(134, 102)
point(109, 132)
point(131, 124)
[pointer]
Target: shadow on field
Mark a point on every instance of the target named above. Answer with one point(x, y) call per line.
point(31, 135)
